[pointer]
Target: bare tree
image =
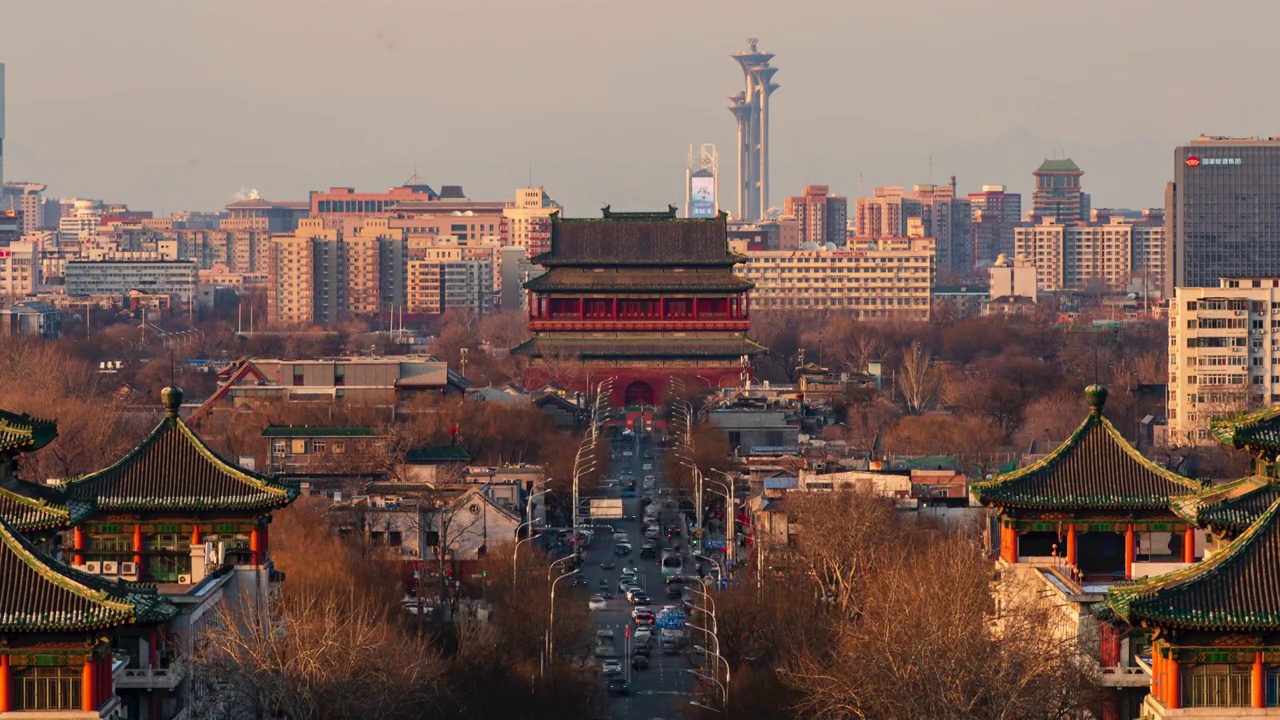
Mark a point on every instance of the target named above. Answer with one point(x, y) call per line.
point(918, 380)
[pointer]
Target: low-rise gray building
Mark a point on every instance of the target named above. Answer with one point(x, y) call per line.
point(755, 431)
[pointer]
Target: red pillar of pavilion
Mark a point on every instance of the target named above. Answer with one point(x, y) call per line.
point(1129, 552)
point(137, 547)
point(1009, 542)
point(1071, 544)
point(1189, 545)
point(255, 546)
point(77, 543)
point(195, 535)
point(88, 688)
point(1258, 696)
point(6, 703)
point(1173, 677)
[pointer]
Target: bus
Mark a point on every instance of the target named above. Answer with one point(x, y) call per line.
point(672, 565)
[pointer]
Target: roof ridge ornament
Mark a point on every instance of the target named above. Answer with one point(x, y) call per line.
point(1096, 396)
point(171, 399)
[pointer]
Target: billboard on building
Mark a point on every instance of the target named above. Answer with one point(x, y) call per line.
point(702, 194)
point(700, 176)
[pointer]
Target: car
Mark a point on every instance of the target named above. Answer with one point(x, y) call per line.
point(645, 620)
point(627, 453)
point(649, 553)
point(624, 585)
point(607, 565)
point(642, 635)
point(639, 662)
point(632, 592)
point(604, 651)
point(612, 667)
point(640, 650)
point(670, 608)
point(675, 592)
point(640, 598)
point(596, 602)
point(669, 647)
point(638, 611)
point(621, 537)
point(618, 687)
point(647, 466)
point(621, 550)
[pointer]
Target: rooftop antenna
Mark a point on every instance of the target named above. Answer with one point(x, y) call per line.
point(930, 168)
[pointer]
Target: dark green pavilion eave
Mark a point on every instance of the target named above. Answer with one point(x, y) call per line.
point(31, 509)
point(25, 433)
point(1237, 589)
point(1229, 509)
point(1095, 469)
point(41, 595)
point(1257, 431)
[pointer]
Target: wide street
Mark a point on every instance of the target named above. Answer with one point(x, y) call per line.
point(662, 690)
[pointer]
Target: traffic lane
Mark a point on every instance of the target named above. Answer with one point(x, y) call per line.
point(656, 691)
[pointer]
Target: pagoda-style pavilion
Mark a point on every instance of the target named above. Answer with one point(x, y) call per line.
point(163, 507)
point(640, 297)
point(55, 656)
point(1215, 625)
point(1089, 500)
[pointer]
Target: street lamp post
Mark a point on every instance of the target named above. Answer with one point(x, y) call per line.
point(551, 621)
point(724, 691)
point(730, 508)
point(714, 564)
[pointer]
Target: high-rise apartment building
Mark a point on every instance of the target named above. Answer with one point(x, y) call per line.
point(302, 281)
point(1223, 210)
point(750, 107)
point(872, 279)
point(19, 270)
point(1079, 256)
point(995, 213)
point(24, 197)
point(1058, 194)
point(448, 276)
point(937, 213)
point(528, 223)
point(821, 216)
point(1224, 354)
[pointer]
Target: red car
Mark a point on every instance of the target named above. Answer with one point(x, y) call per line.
point(644, 618)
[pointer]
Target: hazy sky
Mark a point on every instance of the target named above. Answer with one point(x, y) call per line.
point(168, 104)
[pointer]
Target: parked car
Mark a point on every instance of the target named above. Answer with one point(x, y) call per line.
point(596, 602)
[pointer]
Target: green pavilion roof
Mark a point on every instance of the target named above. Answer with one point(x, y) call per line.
point(640, 347)
point(173, 470)
point(1231, 508)
point(1237, 589)
point(1062, 165)
point(1257, 431)
point(1096, 468)
point(29, 508)
point(40, 594)
point(24, 433)
point(563, 279)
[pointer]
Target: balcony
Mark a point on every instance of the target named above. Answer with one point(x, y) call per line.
point(165, 678)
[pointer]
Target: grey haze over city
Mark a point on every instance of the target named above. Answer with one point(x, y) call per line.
point(168, 105)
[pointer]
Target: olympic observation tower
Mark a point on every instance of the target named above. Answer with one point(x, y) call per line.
point(750, 108)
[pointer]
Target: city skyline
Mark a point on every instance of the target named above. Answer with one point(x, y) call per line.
point(262, 121)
